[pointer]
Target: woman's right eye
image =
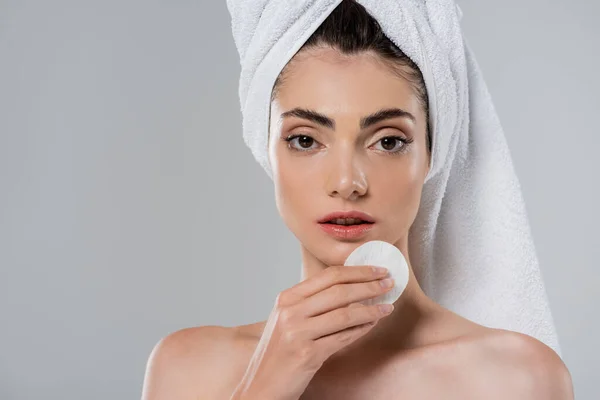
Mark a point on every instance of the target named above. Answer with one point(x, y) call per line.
point(304, 142)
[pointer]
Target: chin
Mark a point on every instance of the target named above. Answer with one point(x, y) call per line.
point(334, 252)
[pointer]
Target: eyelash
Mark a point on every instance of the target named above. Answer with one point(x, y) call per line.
point(402, 149)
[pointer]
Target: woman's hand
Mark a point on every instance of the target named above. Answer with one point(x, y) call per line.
point(311, 321)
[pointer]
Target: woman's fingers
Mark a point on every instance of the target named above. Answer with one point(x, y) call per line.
point(340, 295)
point(328, 277)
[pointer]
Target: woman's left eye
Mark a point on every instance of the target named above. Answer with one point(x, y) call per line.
point(389, 144)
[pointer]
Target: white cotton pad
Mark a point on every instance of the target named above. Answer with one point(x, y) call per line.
point(382, 254)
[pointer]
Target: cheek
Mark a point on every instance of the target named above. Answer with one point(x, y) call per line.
point(293, 192)
point(400, 194)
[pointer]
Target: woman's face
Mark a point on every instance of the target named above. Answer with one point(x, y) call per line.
point(340, 163)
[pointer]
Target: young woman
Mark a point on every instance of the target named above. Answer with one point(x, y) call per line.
point(349, 133)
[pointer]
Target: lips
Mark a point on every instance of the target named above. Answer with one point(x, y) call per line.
point(346, 221)
point(347, 232)
point(347, 225)
point(347, 218)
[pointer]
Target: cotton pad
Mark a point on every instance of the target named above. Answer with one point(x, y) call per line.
point(382, 254)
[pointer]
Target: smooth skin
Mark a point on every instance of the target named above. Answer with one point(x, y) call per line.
point(419, 351)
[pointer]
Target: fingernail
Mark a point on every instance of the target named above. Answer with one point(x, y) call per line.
point(386, 308)
point(387, 282)
point(380, 270)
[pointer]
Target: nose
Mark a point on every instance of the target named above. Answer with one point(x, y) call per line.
point(346, 178)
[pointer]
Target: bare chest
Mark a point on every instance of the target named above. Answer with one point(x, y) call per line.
point(380, 387)
point(461, 369)
point(439, 375)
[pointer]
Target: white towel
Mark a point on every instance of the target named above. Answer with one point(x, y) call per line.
point(470, 244)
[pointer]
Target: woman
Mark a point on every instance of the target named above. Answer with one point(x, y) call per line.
point(349, 131)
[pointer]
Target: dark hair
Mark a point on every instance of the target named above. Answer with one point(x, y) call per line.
point(351, 30)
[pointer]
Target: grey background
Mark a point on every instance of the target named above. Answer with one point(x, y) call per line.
point(131, 208)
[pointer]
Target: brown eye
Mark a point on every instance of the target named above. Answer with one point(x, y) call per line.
point(305, 141)
point(393, 144)
point(388, 143)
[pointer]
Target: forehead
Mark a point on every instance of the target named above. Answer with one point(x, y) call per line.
point(324, 79)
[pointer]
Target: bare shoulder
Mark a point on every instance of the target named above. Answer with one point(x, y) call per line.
point(522, 367)
point(192, 363)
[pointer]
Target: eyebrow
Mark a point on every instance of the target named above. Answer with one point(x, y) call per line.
point(365, 122)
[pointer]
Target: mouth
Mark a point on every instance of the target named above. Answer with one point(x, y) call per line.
point(346, 218)
point(346, 228)
point(347, 222)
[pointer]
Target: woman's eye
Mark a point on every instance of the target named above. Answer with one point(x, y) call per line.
point(304, 142)
point(392, 144)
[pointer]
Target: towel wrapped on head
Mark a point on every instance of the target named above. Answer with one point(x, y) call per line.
point(470, 244)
